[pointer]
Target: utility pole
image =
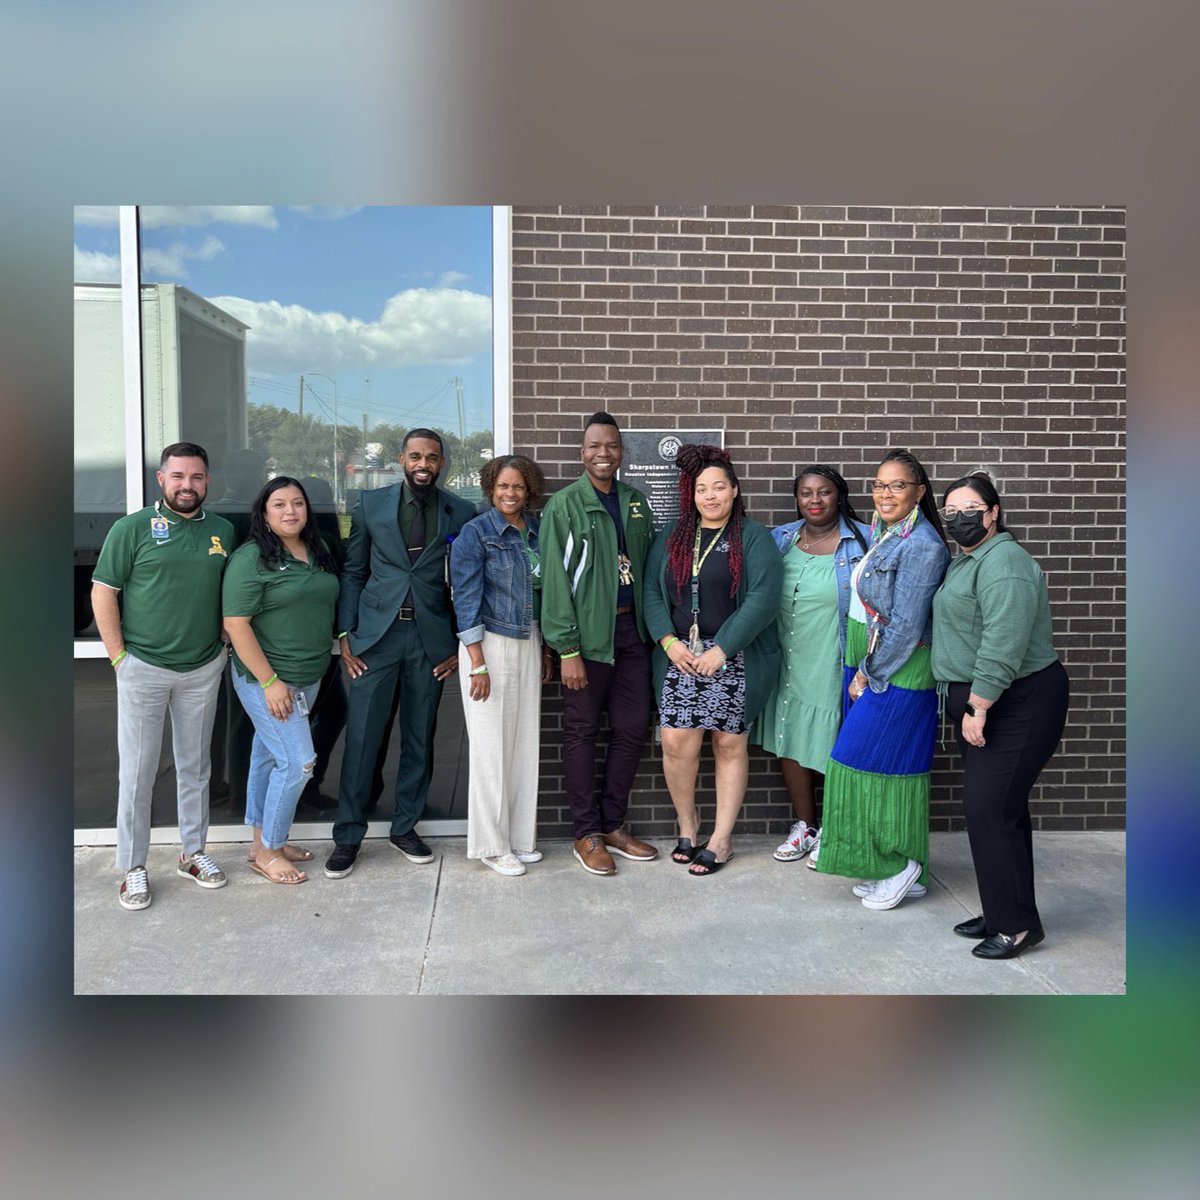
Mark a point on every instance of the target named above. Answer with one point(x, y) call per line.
point(301, 396)
point(364, 456)
point(462, 427)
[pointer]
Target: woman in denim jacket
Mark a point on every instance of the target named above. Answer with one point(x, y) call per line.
point(877, 784)
point(496, 575)
point(802, 716)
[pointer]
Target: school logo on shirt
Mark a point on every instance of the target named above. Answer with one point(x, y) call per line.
point(635, 511)
point(216, 547)
point(160, 528)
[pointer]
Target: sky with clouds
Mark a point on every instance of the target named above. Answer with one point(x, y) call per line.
point(391, 302)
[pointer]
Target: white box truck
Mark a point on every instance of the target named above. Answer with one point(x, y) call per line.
point(194, 389)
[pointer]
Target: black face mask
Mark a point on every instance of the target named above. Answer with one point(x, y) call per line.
point(966, 528)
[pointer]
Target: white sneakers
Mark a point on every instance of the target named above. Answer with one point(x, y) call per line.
point(815, 853)
point(887, 893)
point(512, 863)
point(505, 864)
point(800, 840)
point(915, 890)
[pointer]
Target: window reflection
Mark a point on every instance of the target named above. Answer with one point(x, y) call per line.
point(299, 341)
point(99, 397)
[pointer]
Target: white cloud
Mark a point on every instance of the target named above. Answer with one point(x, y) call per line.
point(96, 214)
point(416, 327)
point(450, 278)
point(161, 216)
point(171, 261)
point(327, 212)
point(156, 217)
point(94, 266)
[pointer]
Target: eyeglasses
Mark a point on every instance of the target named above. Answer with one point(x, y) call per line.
point(950, 511)
point(897, 487)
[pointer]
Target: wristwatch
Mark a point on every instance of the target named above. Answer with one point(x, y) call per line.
point(970, 709)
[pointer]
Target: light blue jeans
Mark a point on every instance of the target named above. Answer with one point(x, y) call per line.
point(281, 761)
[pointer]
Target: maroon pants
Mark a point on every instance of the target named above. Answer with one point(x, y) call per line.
point(623, 688)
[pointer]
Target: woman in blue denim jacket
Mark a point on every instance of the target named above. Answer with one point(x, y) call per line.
point(496, 574)
point(802, 716)
point(877, 785)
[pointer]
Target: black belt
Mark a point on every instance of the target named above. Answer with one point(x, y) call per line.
point(406, 613)
point(628, 608)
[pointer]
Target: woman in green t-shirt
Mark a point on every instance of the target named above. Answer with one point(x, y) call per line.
point(1007, 695)
point(278, 598)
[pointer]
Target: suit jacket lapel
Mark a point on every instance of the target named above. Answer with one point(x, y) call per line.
point(434, 537)
point(391, 515)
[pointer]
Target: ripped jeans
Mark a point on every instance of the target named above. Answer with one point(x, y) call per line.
point(281, 762)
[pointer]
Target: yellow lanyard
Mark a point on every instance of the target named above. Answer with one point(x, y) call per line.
point(697, 563)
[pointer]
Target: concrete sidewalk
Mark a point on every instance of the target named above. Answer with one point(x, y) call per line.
point(455, 927)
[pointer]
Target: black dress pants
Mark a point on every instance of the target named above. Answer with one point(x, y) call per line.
point(1022, 731)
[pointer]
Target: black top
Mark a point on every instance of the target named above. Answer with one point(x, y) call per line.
point(716, 604)
point(613, 507)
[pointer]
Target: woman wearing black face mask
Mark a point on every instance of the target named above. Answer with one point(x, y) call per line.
point(1007, 694)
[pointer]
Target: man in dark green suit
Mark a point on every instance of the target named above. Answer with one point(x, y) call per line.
point(396, 632)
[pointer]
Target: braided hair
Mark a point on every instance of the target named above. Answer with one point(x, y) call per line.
point(844, 507)
point(691, 461)
point(927, 503)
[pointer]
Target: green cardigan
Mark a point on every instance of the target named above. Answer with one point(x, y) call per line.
point(750, 629)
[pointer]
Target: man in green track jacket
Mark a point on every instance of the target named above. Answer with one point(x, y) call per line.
point(595, 534)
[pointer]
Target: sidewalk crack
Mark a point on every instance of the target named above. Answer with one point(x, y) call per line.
point(437, 887)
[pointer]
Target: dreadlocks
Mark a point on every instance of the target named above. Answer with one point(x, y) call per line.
point(691, 461)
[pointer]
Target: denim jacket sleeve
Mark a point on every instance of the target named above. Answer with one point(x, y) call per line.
point(466, 577)
point(919, 562)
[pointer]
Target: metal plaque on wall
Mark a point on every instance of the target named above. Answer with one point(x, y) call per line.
point(649, 464)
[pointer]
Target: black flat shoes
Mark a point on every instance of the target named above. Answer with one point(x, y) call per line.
point(976, 927)
point(1003, 945)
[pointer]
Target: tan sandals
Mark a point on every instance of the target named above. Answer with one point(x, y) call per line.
point(264, 870)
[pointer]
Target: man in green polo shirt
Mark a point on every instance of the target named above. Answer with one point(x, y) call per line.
point(163, 637)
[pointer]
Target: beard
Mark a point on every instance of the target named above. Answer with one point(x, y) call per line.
point(189, 505)
point(420, 489)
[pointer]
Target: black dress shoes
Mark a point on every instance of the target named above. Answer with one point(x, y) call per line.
point(1003, 945)
point(976, 927)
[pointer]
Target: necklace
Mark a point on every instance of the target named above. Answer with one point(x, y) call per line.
point(815, 541)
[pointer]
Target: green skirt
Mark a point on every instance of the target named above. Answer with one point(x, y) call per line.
point(876, 807)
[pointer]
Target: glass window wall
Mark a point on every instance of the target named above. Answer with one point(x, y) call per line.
point(285, 340)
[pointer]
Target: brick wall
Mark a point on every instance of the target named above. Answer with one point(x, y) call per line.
point(975, 337)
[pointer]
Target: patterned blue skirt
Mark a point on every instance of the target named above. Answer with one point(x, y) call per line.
point(705, 701)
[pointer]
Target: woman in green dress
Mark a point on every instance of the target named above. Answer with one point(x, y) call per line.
point(801, 718)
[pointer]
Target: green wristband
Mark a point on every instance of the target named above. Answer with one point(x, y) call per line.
point(670, 642)
point(270, 681)
point(570, 654)
point(120, 656)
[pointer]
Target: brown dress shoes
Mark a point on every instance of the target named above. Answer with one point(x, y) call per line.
point(622, 842)
point(593, 855)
